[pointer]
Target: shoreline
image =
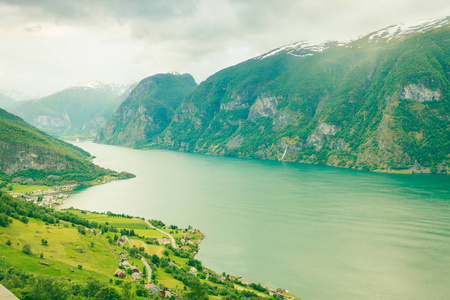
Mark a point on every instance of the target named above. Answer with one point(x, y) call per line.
point(280, 292)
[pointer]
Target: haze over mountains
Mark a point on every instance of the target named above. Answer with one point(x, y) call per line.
point(380, 102)
point(78, 111)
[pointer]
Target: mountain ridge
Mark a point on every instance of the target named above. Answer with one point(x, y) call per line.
point(77, 111)
point(348, 106)
point(32, 156)
point(148, 109)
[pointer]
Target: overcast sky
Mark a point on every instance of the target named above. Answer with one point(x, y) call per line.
point(47, 45)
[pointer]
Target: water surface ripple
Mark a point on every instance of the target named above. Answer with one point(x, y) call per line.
point(321, 232)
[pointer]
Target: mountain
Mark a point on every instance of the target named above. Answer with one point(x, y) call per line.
point(80, 110)
point(147, 111)
point(31, 155)
point(381, 102)
point(6, 100)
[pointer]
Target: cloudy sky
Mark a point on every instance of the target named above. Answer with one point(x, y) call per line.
point(47, 45)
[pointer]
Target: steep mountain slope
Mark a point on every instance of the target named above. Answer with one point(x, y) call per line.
point(28, 153)
point(381, 102)
point(79, 110)
point(147, 111)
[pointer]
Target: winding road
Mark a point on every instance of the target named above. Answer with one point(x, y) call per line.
point(172, 240)
point(149, 269)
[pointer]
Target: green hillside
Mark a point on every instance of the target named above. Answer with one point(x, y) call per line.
point(378, 103)
point(147, 111)
point(30, 155)
point(78, 111)
point(74, 254)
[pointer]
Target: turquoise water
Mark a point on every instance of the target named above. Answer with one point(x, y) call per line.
point(318, 231)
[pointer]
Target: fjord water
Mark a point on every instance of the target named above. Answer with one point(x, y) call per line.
point(320, 232)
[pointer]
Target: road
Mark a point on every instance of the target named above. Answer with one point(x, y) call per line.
point(129, 242)
point(172, 240)
point(149, 270)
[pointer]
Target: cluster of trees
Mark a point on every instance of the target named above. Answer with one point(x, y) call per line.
point(44, 287)
point(22, 210)
point(157, 223)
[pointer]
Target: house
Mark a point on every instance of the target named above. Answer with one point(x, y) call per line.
point(154, 289)
point(280, 291)
point(119, 273)
point(136, 276)
point(121, 241)
point(193, 271)
point(191, 231)
point(163, 241)
point(135, 269)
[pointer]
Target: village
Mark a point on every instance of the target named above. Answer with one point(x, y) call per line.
point(126, 269)
point(52, 197)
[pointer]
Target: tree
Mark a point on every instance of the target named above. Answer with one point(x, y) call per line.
point(107, 293)
point(126, 292)
point(197, 291)
point(91, 287)
point(49, 288)
point(8, 242)
point(81, 230)
point(44, 242)
point(27, 249)
point(155, 259)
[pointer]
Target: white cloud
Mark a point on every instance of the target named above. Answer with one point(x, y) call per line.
point(50, 44)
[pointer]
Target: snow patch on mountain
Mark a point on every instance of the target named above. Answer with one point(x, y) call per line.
point(114, 88)
point(404, 29)
point(302, 49)
point(15, 95)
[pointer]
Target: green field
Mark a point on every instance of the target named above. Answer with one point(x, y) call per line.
point(70, 253)
point(18, 188)
point(98, 261)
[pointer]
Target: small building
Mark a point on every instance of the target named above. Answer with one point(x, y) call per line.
point(120, 273)
point(153, 288)
point(135, 269)
point(136, 276)
point(280, 291)
point(163, 241)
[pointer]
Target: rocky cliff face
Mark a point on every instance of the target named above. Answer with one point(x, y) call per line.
point(26, 152)
point(148, 110)
point(379, 103)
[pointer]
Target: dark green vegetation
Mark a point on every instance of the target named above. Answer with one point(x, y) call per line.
point(76, 112)
point(147, 111)
point(375, 104)
point(66, 253)
point(29, 155)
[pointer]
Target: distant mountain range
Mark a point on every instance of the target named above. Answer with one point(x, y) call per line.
point(78, 111)
point(381, 102)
